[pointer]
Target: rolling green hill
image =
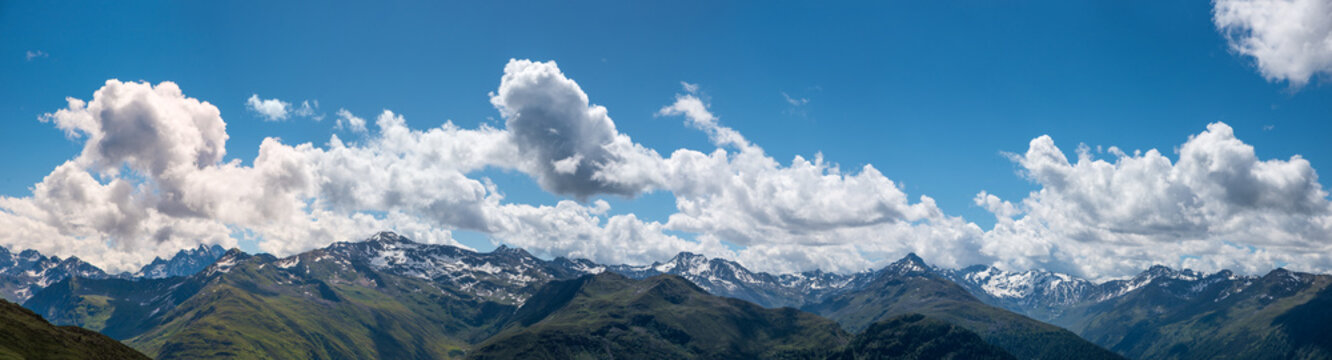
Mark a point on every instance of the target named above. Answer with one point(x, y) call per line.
point(25, 335)
point(915, 336)
point(663, 317)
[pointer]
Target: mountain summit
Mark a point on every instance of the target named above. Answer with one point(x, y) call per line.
point(24, 274)
point(184, 263)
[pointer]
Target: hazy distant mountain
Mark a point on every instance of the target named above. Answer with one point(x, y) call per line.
point(25, 335)
point(1165, 313)
point(728, 278)
point(184, 263)
point(119, 308)
point(1168, 313)
point(28, 272)
point(506, 275)
point(911, 286)
point(1039, 294)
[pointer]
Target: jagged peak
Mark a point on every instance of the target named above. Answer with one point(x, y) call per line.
point(1225, 273)
point(202, 249)
point(1161, 271)
point(685, 257)
point(505, 249)
point(1280, 271)
point(908, 265)
point(234, 253)
point(912, 259)
point(689, 255)
point(388, 237)
point(30, 253)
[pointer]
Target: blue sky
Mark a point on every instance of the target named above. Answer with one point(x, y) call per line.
point(929, 93)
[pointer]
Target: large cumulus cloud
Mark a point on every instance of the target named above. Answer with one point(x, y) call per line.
point(805, 214)
point(566, 140)
point(1218, 206)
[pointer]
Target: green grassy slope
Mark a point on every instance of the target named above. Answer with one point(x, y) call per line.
point(663, 317)
point(915, 336)
point(895, 295)
point(319, 310)
point(25, 335)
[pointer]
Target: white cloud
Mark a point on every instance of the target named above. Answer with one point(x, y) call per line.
point(155, 130)
point(1290, 40)
point(31, 55)
point(308, 110)
point(690, 88)
point(350, 122)
point(278, 110)
point(551, 120)
point(1000, 208)
point(164, 186)
point(1218, 206)
point(794, 101)
point(810, 212)
point(700, 118)
point(153, 178)
point(270, 109)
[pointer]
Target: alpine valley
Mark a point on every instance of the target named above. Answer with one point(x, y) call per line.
point(388, 297)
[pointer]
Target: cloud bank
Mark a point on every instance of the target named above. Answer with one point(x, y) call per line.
point(1218, 206)
point(153, 178)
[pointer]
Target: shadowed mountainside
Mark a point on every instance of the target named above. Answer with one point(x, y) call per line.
point(25, 335)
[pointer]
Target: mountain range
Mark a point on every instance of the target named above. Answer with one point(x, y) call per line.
point(389, 297)
point(1159, 313)
point(29, 271)
point(1163, 313)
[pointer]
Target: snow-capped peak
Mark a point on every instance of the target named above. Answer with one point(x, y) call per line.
point(225, 263)
point(30, 271)
point(388, 237)
point(184, 263)
point(908, 265)
point(1032, 288)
